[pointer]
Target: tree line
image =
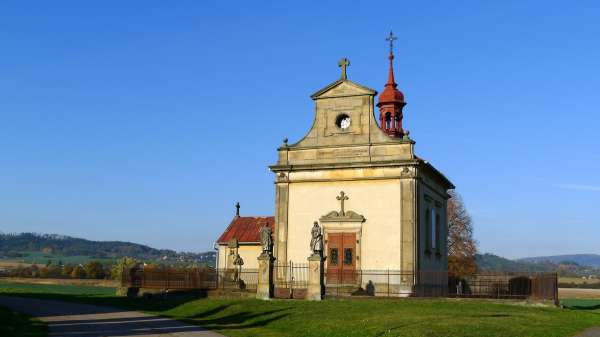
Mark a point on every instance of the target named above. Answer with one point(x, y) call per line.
point(90, 270)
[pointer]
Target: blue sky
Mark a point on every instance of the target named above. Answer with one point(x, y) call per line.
point(146, 120)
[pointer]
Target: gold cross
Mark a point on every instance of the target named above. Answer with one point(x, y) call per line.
point(343, 197)
point(344, 63)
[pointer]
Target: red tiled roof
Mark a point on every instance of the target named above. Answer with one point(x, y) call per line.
point(246, 228)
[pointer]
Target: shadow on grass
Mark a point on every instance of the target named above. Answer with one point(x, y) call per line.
point(142, 304)
point(238, 320)
point(101, 306)
point(583, 307)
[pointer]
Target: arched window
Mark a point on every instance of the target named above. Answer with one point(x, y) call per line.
point(427, 231)
point(438, 232)
point(388, 121)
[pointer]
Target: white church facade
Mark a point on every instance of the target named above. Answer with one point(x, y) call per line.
point(380, 206)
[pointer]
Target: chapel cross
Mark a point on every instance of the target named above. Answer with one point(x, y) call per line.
point(342, 197)
point(344, 63)
point(391, 38)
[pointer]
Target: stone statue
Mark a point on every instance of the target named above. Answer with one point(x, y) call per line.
point(266, 240)
point(316, 241)
point(238, 261)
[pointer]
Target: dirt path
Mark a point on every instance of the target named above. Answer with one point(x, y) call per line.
point(75, 320)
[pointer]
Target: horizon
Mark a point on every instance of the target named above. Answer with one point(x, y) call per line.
point(213, 250)
point(150, 128)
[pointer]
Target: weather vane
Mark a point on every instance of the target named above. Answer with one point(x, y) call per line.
point(391, 38)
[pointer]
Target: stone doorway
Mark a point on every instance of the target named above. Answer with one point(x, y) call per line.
point(341, 258)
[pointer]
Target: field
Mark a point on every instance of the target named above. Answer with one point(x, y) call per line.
point(371, 317)
point(54, 289)
point(61, 281)
point(577, 293)
point(18, 325)
point(578, 280)
point(41, 258)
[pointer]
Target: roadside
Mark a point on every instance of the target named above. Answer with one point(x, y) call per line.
point(76, 319)
point(14, 324)
point(345, 317)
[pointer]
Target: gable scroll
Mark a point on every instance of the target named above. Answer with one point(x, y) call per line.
point(348, 216)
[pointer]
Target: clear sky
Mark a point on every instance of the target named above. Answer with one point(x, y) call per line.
point(146, 120)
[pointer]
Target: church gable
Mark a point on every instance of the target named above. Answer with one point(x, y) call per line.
point(345, 129)
point(343, 88)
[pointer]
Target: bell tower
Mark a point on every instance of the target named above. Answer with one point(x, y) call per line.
point(391, 101)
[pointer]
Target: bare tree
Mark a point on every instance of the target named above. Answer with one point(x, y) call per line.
point(461, 245)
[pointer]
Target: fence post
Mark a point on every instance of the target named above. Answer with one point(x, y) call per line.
point(315, 277)
point(556, 300)
point(264, 287)
point(388, 282)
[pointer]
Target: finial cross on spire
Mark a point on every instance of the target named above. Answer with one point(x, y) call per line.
point(344, 63)
point(342, 197)
point(391, 38)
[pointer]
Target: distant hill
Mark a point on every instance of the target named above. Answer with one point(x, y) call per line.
point(592, 260)
point(52, 245)
point(494, 263)
point(564, 267)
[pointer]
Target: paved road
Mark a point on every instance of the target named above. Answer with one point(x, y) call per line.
point(66, 319)
point(592, 332)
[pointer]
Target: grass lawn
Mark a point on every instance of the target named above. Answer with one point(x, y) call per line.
point(13, 324)
point(24, 288)
point(350, 317)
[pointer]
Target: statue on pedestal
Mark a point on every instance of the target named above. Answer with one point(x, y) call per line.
point(316, 241)
point(266, 240)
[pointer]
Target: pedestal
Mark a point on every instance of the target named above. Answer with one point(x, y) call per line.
point(315, 278)
point(264, 289)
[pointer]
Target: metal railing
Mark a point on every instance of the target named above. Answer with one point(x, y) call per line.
point(290, 279)
point(186, 279)
point(397, 283)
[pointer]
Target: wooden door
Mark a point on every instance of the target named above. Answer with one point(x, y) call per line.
point(341, 258)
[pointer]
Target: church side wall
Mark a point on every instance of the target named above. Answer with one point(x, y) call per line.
point(377, 200)
point(249, 254)
point(222, 257)
point(432, 259)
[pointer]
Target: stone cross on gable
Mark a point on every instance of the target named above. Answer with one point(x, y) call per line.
point(342, 197)
point(344, 63)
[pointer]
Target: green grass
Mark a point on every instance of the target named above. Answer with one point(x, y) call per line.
point(581, 304)
point(42, 258)
point(13, 324)
point(351, 317)
point(23, 288)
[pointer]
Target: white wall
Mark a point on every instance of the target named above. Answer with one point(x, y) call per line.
point(377, 200)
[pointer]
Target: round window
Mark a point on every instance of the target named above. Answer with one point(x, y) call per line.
point(343, 122)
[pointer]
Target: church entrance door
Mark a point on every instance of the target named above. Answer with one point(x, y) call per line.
point(341, 258)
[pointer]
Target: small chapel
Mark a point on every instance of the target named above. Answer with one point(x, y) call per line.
point(355, 173)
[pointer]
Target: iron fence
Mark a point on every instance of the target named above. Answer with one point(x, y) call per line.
point(290, 279)
point(197, 278)
point(169, 278)
point(396, 283)
point(541, 286)
point(239, 279)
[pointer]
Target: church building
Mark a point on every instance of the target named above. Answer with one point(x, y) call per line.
point(380, 206)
